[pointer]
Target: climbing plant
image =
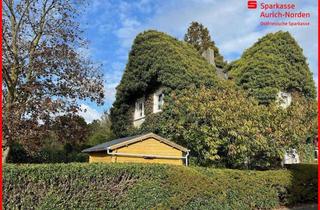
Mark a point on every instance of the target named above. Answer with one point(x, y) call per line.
point(157, 59)
point(224, 126)
point(275, 62)
point(222, 122)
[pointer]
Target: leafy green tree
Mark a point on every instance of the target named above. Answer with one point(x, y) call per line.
point(275, 62)
point(198, 36)
point(100, 130)
point(225, 127)
point(18, 154)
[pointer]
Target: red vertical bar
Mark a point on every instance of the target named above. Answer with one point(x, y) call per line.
point(1, 103)
point(318, 101)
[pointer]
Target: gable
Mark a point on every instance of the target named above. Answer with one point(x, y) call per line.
point(150, 146)
point(144, 137)
point(125, 142)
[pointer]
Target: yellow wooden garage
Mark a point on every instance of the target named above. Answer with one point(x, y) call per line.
point(145, 148)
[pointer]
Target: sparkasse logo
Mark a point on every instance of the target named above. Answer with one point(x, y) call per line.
point(252, 4)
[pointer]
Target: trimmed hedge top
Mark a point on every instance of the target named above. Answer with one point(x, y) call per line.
point(157, 59)
point(139, 186)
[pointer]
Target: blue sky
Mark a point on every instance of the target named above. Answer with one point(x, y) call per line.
point(111, 25)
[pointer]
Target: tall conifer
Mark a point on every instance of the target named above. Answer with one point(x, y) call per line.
point(198, 36)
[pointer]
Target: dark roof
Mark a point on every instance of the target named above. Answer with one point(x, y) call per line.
point(104, 146)
point(131, 139)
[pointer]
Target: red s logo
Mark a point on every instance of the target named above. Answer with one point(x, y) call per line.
point(252, 4)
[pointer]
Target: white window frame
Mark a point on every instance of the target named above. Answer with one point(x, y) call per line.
point(291, 156)
point(156, 96)
point(139, 113)
point(284, 99)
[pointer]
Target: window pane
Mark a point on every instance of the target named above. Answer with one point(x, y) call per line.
point(160, 101)
point(139, 109)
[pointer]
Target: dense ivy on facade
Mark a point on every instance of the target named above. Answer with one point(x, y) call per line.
point(225, 127)
point(223, 122)
point(157, 59)
point(274, 63)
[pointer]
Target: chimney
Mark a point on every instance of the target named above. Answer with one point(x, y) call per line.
point(208, 54)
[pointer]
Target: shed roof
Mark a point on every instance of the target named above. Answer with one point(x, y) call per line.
point(116, 143)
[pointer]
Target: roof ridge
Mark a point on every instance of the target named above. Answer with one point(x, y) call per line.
point(116, 143)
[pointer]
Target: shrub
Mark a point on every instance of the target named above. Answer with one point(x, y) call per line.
point(49, 155)
point(225, 127)
point(138, 186)
point(305, 185)
point(18, 154)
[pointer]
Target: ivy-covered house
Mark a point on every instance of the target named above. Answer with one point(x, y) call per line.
point(272, 70)
point(158, 64)
point(153, 100)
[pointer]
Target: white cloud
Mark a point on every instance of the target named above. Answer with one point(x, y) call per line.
point(241, 43)
point(232, 26)
point(88, 113)
point(127, 32)
point(110, 90)
point(112, 79)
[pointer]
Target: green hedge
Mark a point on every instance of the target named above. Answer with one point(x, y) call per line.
point(137, 186)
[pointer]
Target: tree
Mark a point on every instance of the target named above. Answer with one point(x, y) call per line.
point(70, 129)
point(224, 127)
point(220, 126)
point(274, 63)
point(198, 36)
point(100, 130)
point(64, 139)
point(43, 70)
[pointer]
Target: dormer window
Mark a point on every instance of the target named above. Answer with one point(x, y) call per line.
point(158, 101)
point(139, 109)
